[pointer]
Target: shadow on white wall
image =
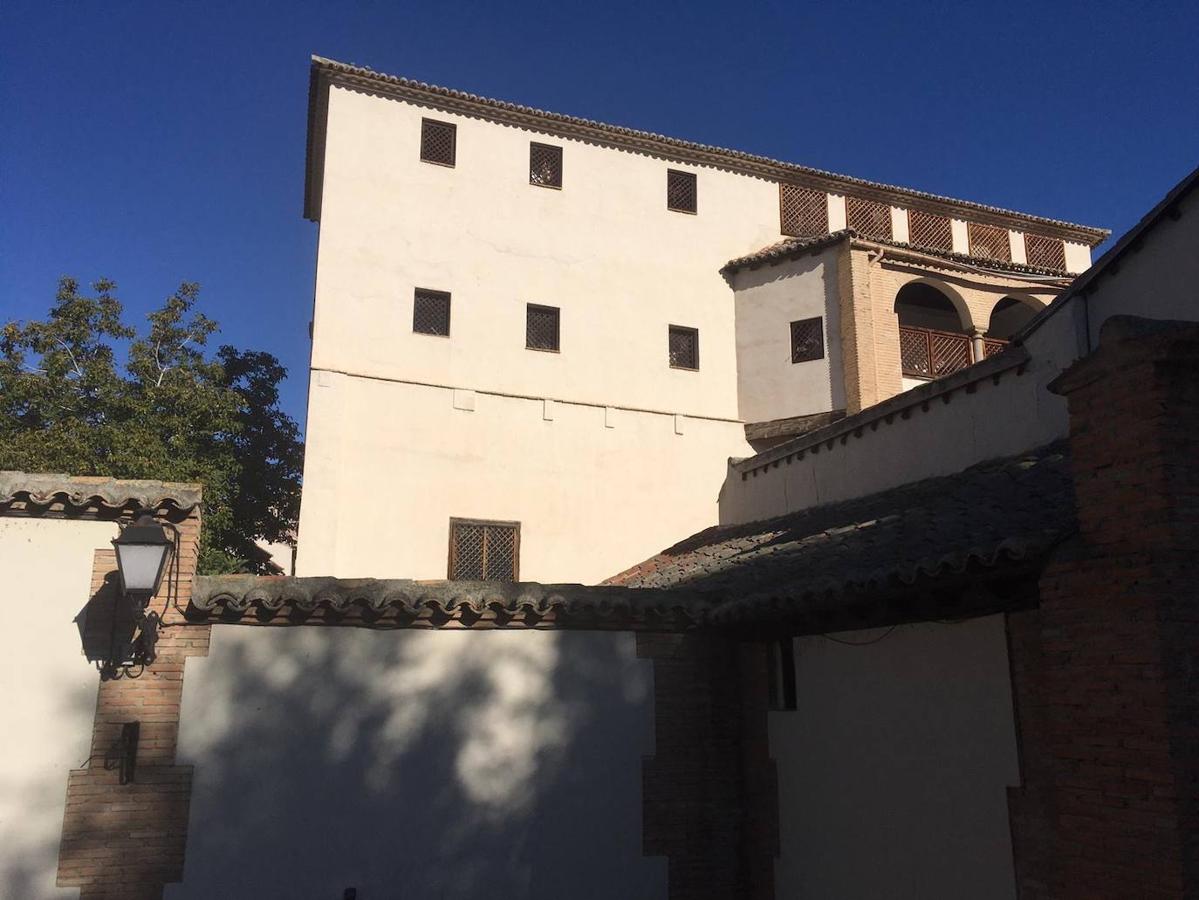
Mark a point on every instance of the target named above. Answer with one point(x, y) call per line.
point(417, 764)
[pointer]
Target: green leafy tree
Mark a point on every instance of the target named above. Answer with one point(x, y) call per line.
point(83, 393)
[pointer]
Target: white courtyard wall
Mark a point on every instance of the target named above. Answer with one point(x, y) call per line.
point(424, 763)
point(50, 691)
point(894, 768)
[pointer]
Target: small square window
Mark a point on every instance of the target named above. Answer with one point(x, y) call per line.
point(438, 142)
point(802, 211)
point(989, 242)
point(684, 347)
point(484, 551)
point(541, 327)
point(1048, 253)
point(545, 165)
point(680, 191)
point(868, 218)
point(930, 230)
point(807, 340)
point(431, 312)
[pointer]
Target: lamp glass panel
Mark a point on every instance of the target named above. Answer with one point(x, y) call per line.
point(140, 564)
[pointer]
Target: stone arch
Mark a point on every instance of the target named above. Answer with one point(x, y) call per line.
point(930, 303)
point(1010, 314)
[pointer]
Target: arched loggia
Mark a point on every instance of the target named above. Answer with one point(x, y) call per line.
point(934, 338)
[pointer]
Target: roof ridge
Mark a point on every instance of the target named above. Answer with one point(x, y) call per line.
point(1091, 234)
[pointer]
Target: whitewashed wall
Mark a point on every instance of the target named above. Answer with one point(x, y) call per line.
point(49, 695)
point(894, 768)
point(417, 764)
point(768, 300)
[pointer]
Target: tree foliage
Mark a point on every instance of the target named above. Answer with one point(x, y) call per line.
point(84, 393)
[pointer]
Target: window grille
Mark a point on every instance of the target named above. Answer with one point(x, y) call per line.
point(989, 242)
point(545, 165)
point(541, 327)
point(484, 551)
point(927, 229)
point(1048, 253)
point(807, 340)
point(803, 212)
point(438, 141)
point(684, 347)
point(431, 312)
point(868, 218)
point(680, 191)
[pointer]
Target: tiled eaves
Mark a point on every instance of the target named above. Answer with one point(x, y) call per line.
point(45, 494)
point(403, 603)
point(327, 71)
point(1011, 361)
point(794, 248)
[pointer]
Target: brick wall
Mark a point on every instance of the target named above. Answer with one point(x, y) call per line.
point(710, 790)
point(128, 841)
point(1105, 677)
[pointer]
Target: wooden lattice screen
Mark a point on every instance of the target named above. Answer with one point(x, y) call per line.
point(431, 312)
point(807, 340)
point(1048, 253)
point(680, 191)
point(683, 347)
point(925, 353)
point(545, 165)
point(438, 142)
point(930, 230)
point(541, 327)
point(989, 242)
point(803, 212)
point(868, 218)
point(484, 551)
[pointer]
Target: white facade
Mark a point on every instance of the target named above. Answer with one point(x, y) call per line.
point(602, 451)
point(50, 690)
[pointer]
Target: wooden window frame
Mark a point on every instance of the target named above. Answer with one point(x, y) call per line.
point(453, 129)
point(693, 178)
point(686, 329)
point(452, 556)
point(449, 311)
point(556, 149)
point(819, 320)
point(557, 311)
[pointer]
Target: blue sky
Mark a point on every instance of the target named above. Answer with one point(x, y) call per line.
point(152, 142)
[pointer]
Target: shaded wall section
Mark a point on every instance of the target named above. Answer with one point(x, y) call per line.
point(893, 769)
point(417, 764)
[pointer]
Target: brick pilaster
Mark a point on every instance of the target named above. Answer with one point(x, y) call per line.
point(128, 841)
point(710, 790)
point(1105, 676)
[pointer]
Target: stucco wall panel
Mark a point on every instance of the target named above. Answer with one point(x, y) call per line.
point(424, 764)
point(50, 694)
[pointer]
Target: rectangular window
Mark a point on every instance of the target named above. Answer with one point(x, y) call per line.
point(541, 327)
point(803, 212)
point(484, 551)
point(869, 218)
point(807, 340)
point(1048, 253)
point(927, 229)
point(989, 242)
point(545, 165)
point(684, 347)
point(680, 191)
point(431, 312)
point(438, 142)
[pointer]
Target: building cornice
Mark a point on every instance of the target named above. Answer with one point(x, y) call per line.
point(327, 72)
point(53, 495)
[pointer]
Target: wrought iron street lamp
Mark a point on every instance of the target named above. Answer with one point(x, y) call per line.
point(143, 549)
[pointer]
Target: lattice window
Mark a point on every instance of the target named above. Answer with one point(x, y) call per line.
point(684, 347)
point(431, 312)
point(803, 212)
point(927, 229)
point(545, 165)
point(913, 352)
point(1048, 253)
point(438, 142)
point(541, 327)
point(991, 346)
point(989, 242)
point(484, 551)
point(681, 191)
point(868, 218)
point(950, 352)
point(807, 340)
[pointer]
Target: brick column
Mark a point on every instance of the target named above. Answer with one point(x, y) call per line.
point(1106, 670)
point(127, 841)
point(709, 793)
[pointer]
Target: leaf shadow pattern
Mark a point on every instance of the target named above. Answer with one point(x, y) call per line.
point(417, 764)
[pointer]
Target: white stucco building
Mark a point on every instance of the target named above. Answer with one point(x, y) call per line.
point(530, 320)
